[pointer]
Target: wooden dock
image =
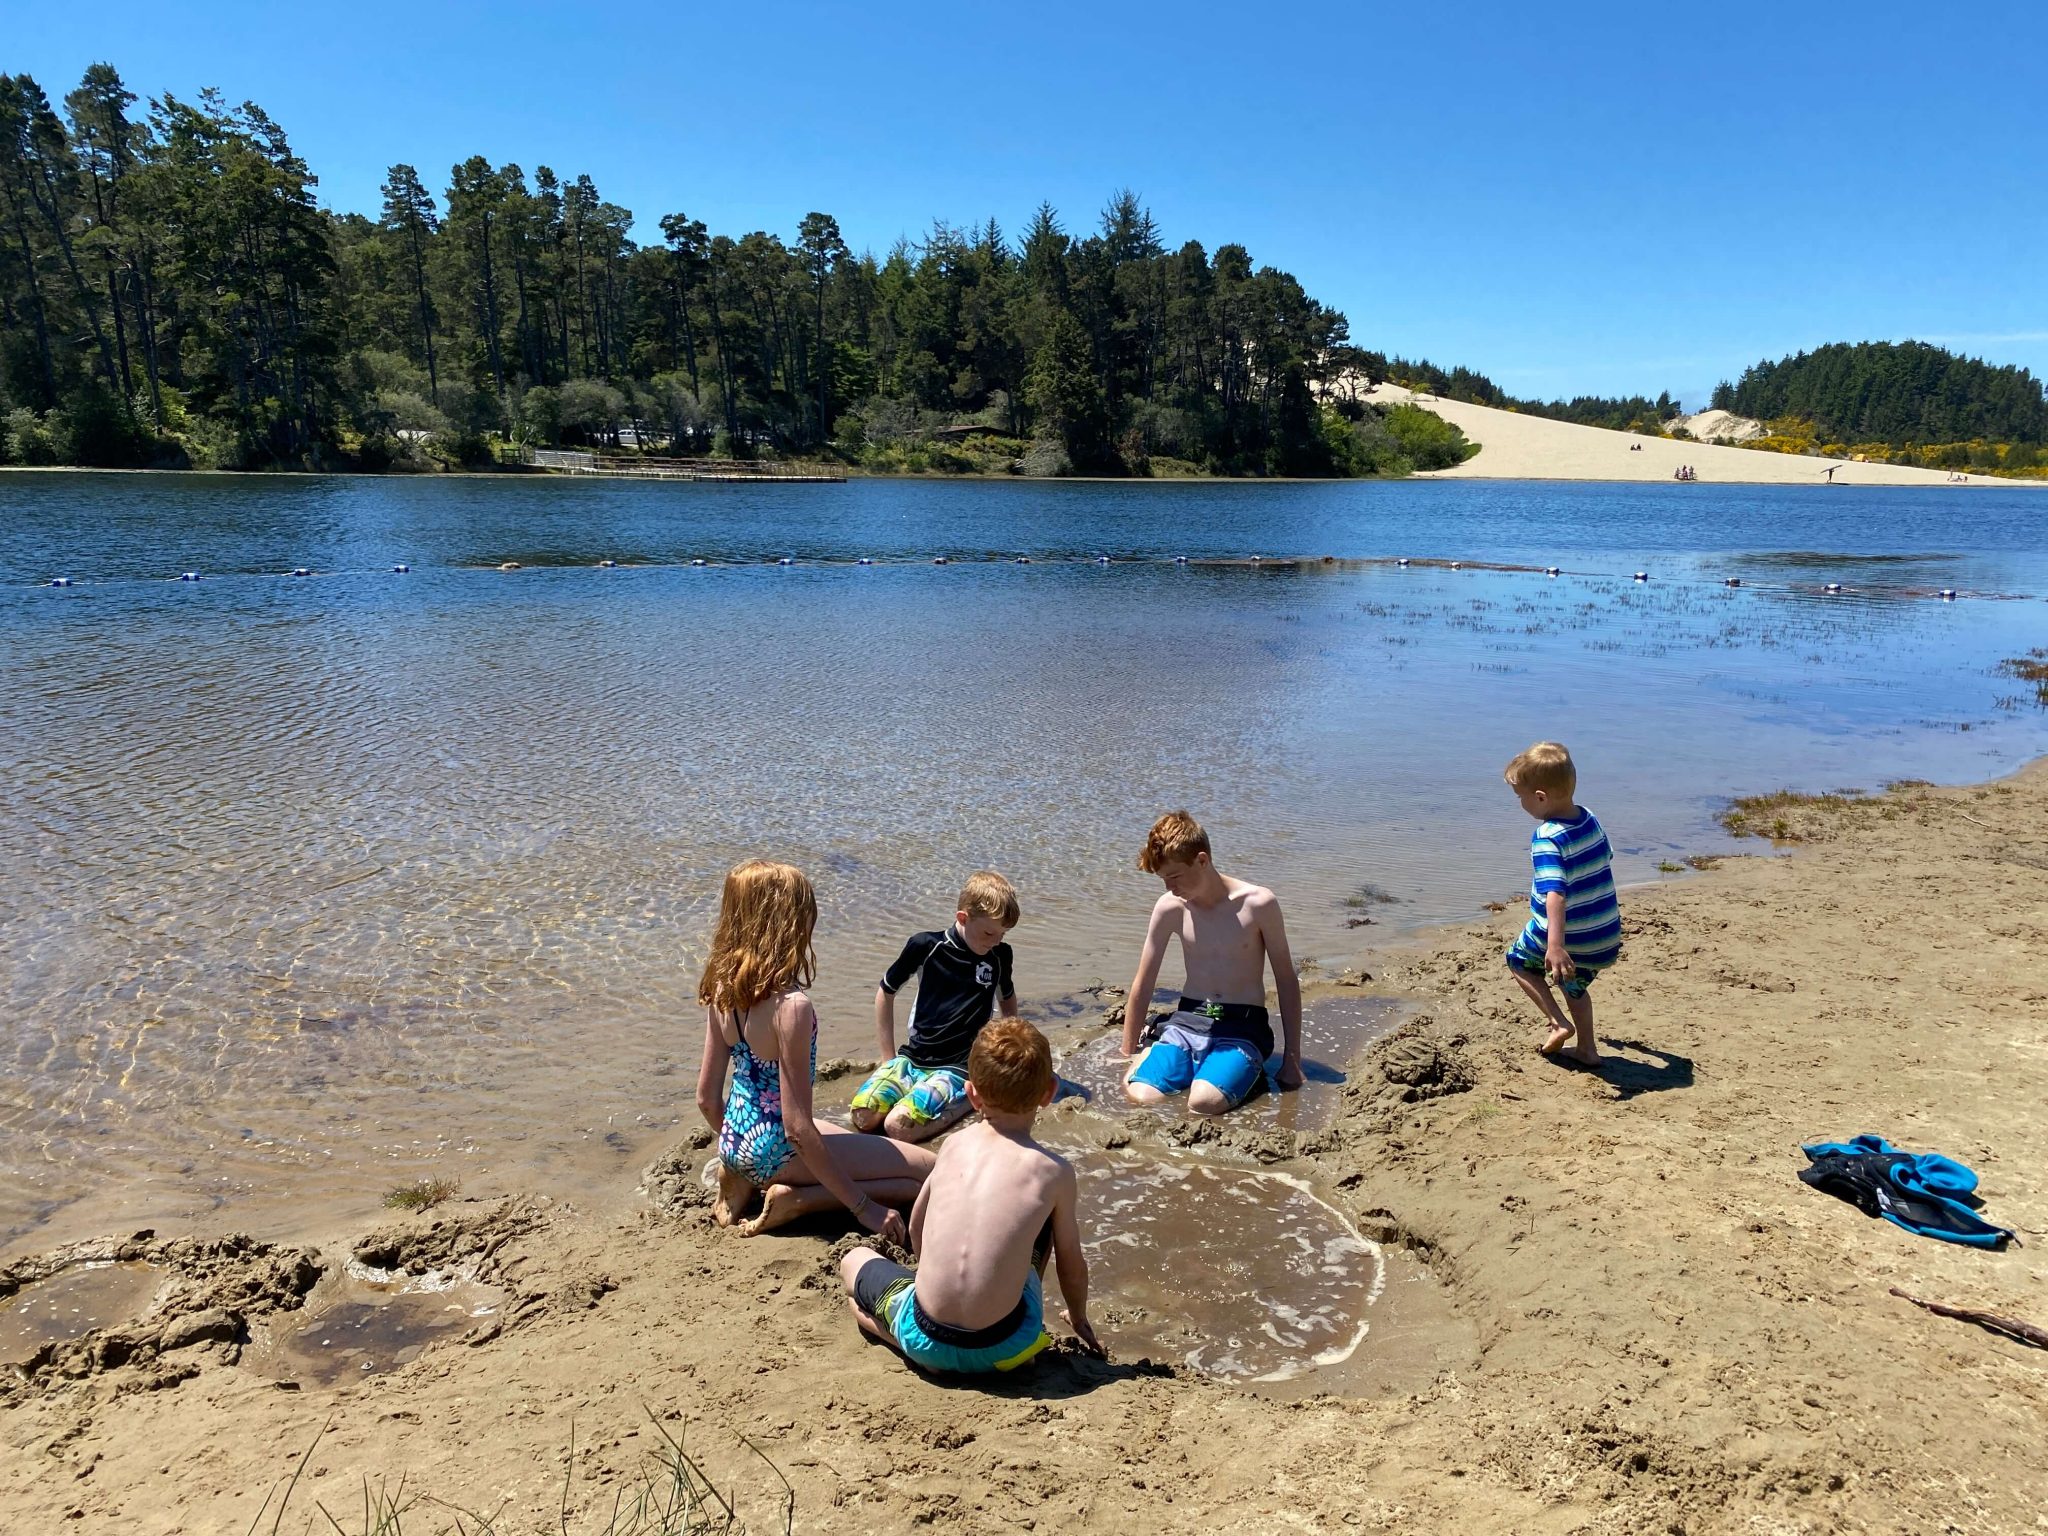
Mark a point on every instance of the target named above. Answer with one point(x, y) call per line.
point(570, 461)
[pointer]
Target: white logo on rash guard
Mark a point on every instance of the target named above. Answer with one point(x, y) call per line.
point(984, 975)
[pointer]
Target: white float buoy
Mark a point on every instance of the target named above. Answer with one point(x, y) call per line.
point(863, 560)
point(1021, 560)
point(1102, 559)
point(1402, 561)
point(189, 576)
point(607, 565)
point(1180, 559)
point(1642, 576)
point(940, 560)
point(300, 570)
point(401, 570)
point(1948, 594)
point(1732, 581)
point(1550, 570)
point(700, 562)
point(60, 581)
point(1457, 565)
point(509, 565)
point(785, 560)
point(1833, 586)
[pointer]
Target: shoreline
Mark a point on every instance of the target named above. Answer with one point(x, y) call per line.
point(1662, 1327)
point(1538, 465)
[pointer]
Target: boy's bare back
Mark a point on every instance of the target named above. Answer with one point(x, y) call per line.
point(977, 1219)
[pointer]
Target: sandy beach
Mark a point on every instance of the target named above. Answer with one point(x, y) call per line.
point(1517, 447)
point(1644, 1320)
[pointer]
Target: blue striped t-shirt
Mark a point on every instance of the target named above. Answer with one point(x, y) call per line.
point(1572, 856)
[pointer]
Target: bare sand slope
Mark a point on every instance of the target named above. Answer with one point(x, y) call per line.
point(1665, 1330)
point(1517, 447)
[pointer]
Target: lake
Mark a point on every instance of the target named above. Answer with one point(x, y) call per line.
point(312, 885)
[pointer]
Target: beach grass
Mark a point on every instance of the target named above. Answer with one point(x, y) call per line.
point(673, 1496)
point(420, 1194)
point(2030, 668)
point(1780, 815)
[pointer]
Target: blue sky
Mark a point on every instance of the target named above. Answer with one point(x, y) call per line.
point(1583, 198)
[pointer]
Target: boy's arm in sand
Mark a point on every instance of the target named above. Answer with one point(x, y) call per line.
point(1273, 930)
point(1556, 958)
point(885, 1024)
point(1068, 1261)
point(794, 1024)
point(1139, 1002)
point(711, 1076)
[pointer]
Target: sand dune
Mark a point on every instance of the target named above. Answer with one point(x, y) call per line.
point(1516, 447)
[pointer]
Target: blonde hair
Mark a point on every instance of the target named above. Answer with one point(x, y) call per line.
point(1010, 1067)
point(988, 894)
point(1546, 766)
point(763, 942)
point(1175, 838)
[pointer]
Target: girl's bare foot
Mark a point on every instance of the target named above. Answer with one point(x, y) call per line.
point(733, 1194)
point(1587, 1055)
point(779, 1206)
point(1560, 1035)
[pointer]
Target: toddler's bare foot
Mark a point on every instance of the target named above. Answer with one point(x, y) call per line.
point(733, 1194)
point(779, 1206)
point(1559, 1035)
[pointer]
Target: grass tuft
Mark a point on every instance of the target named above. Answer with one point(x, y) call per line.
point(673, 1496)
point(420, 1195)
point(1773, 815)
point(2030, 668)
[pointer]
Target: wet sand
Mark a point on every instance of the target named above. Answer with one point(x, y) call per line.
point(1653, 1325)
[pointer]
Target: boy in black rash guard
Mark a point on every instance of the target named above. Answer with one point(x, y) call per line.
point(963, 976)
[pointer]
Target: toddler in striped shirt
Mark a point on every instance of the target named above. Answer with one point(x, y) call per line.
point(1574, 927)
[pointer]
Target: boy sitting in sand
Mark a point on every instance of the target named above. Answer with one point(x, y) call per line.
point(963, 975)
point(1215, 1045)
point(1574, 928)
point(981, 1228)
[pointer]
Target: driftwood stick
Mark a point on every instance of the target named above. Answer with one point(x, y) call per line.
point(2011, 1327)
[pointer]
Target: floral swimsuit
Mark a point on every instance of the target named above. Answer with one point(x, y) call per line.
point(752, 1142)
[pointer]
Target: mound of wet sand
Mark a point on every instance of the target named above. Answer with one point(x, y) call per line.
point(1668, 1331)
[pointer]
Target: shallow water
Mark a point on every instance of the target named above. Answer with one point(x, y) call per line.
point(71, 1303)
point(309, 886)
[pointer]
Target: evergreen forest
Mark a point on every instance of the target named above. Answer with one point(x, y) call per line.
point(1895, 393)
point(172, 293)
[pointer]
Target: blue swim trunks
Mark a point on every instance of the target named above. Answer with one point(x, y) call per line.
point(1183, 1056)
point(1527, 954)
point(887, 1292)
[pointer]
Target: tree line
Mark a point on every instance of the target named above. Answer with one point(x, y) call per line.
point(172, 293)
point(1894, 393)
point(1629, 413)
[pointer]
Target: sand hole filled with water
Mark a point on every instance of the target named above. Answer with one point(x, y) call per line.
point(368, 1326)
point(71, 1303)
point(1334, 1031)
point(1244, 1275)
